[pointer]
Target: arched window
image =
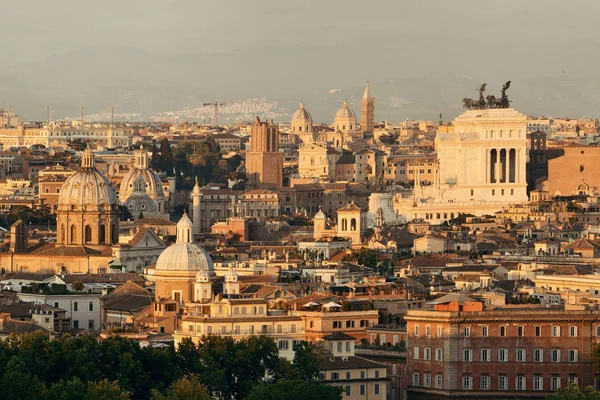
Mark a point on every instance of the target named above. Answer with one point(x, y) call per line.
point(88, 233)
point(344, 224)
point(205, 294)
point(353, 224)
point(312, 324)
point(300, 128)
point(312, 161)
point(260, 310)
point(339, 346)
point(62, 233)
point(236, 310)
point(102, 234)
point(347, 346)
point(254, 310)
point(243, 310)
point(73, 234)
point(115, 234)
point(47, 190)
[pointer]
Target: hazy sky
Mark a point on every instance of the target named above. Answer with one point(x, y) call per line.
point(366, 39)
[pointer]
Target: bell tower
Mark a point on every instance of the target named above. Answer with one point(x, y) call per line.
point(367, 115)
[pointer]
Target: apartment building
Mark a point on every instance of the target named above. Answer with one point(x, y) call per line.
point(461, 350)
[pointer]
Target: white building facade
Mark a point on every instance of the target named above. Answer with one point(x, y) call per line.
point(481, 168)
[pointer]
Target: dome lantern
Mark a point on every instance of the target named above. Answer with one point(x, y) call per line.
point(184, 229)
point(87, 158)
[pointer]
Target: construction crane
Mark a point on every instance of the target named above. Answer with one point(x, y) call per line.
point(216, 104)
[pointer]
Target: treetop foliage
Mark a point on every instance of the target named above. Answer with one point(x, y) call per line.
point(34, 366)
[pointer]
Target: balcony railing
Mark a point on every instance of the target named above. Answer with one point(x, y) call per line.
point(267, 332)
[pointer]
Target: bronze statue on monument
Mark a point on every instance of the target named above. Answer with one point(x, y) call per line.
point(490, 101)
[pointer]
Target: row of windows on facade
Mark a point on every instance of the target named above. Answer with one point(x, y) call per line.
point(76, 306)
point(361, 390)
point(410, 171)
point(237, 329)
point(251, 212)
point(555, 331)
point(382, 339)
point(364, 323)
point(491, 134)
point(485, 355)
point(512, 192)
point(485, 382)
point(335, 376)
point(90, 324)
point(438, 215)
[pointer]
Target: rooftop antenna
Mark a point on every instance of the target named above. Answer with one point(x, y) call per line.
point(112, 116)
point(82, 116)
point(48, 116)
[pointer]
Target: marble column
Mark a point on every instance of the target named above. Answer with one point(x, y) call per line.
point(497, 167)
point(488, 161)
point(503, 166)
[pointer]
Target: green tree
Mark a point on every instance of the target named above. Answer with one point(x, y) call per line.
point(574, 392)
point(230, 369)
point(125, 213)
point(306, 361)
point(78, 286)
point(19, 384)
point(187, 356)
point(120, 359)
point(105, 390)
point(167, 160)
point(185, 388)
point(73, 389)
point(294, 390)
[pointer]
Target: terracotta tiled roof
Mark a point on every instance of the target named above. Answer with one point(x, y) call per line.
point(352, 362)
point(118, 278)
point(152, 221)
point(74, 251)
point(339, 336)
point(349, 207)
point(453, 297)
point(129, 297)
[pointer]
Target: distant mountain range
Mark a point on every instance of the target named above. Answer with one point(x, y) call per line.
point(264, 82)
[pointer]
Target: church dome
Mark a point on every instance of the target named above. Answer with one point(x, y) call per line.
point(88, 188)
point(151, 179)
point(184, 255)
point(302, 115)
point(301, 120)
point(345, 112)
point(139, 201)
point(320, 214)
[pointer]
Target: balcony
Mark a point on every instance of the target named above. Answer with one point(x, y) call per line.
point(255, 332)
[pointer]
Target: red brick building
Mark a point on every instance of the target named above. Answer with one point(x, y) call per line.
point(459, 350)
